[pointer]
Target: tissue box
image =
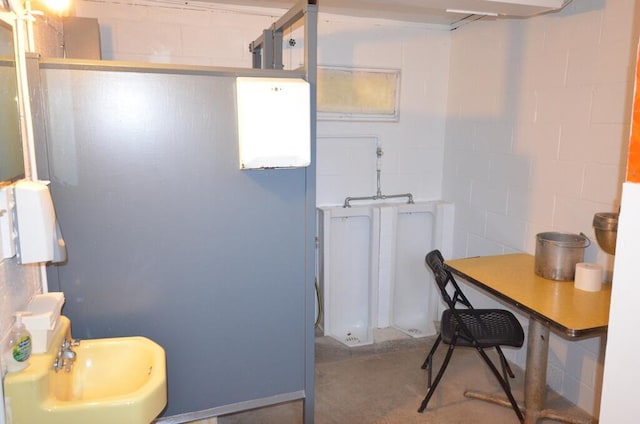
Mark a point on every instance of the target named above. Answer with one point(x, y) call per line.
point(41, 319)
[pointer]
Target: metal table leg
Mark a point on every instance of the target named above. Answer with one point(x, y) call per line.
point(535, 377)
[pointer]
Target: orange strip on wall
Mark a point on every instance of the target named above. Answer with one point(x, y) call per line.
point(633, 160)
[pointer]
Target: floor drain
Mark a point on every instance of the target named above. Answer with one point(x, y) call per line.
point(352, 339)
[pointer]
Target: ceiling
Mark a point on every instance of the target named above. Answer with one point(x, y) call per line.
point(422, 11)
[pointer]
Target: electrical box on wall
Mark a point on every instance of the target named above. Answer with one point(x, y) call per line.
point(81, 38)
point(274, 122)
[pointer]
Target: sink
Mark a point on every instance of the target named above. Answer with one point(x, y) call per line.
point(115, 380)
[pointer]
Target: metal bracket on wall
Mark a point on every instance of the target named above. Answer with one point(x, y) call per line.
point(270, 42)
point(267, 48)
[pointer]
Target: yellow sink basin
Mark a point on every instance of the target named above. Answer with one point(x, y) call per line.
point(117, 380)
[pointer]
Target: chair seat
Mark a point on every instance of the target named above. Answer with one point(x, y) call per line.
point(489, 327)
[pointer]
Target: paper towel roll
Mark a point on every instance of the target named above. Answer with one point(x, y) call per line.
point(588, 277)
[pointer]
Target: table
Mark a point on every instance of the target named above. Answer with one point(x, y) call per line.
point(550, 304)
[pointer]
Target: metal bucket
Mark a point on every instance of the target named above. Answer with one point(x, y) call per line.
point(558, 253)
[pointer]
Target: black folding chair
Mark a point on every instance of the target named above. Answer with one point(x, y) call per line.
point(469, 327)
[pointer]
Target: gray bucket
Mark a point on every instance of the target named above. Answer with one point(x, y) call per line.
point(558, 253)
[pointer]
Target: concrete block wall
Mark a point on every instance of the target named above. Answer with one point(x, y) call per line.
point(413, 146)
point(18, 284)
point(193, 33)
point(537, 131)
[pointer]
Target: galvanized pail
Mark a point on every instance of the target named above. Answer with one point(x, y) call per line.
point(558, 253)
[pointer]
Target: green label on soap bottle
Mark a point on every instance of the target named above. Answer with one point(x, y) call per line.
point(22, 349)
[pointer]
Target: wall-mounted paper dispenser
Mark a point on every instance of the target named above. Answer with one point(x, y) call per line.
point(38, 234)
point(273, 122)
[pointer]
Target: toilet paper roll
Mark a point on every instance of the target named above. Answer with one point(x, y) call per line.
point(588, 277)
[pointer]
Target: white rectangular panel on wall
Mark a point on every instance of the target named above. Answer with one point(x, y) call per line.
point(274, 123)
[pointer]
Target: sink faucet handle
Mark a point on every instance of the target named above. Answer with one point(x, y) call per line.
point(68, 355)
point(65, 357)
point(69, 343)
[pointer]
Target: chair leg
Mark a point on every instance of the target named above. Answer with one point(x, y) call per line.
point(505, 366)
point(504, 361)
point(503, 383)
point(428, 362)
point(432, 351)
point(432, 388)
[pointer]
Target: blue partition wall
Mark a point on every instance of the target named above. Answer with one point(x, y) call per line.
point(169, 239)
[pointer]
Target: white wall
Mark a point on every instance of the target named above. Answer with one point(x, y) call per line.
point(413, 146)
point(537, 131)
point(18, 283)
point(178, 33)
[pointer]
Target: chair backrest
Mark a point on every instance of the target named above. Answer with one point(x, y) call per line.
point(444, 278)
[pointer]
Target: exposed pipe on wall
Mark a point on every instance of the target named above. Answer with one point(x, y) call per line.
point(378, 195)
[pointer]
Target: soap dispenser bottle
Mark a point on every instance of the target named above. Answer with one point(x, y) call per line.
point(18, 348)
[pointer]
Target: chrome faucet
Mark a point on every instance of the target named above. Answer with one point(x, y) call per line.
point(66, 356)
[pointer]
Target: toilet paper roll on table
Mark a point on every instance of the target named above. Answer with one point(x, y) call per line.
point(588, 277)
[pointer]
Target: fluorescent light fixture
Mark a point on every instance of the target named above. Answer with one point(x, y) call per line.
point(471, 12)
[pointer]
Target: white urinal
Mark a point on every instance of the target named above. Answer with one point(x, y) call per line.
point(349, 243)
point(413, 298)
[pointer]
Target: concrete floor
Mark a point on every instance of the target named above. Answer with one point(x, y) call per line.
point(383, 384)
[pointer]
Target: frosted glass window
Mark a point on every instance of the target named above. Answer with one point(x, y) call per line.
point(358, 94)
